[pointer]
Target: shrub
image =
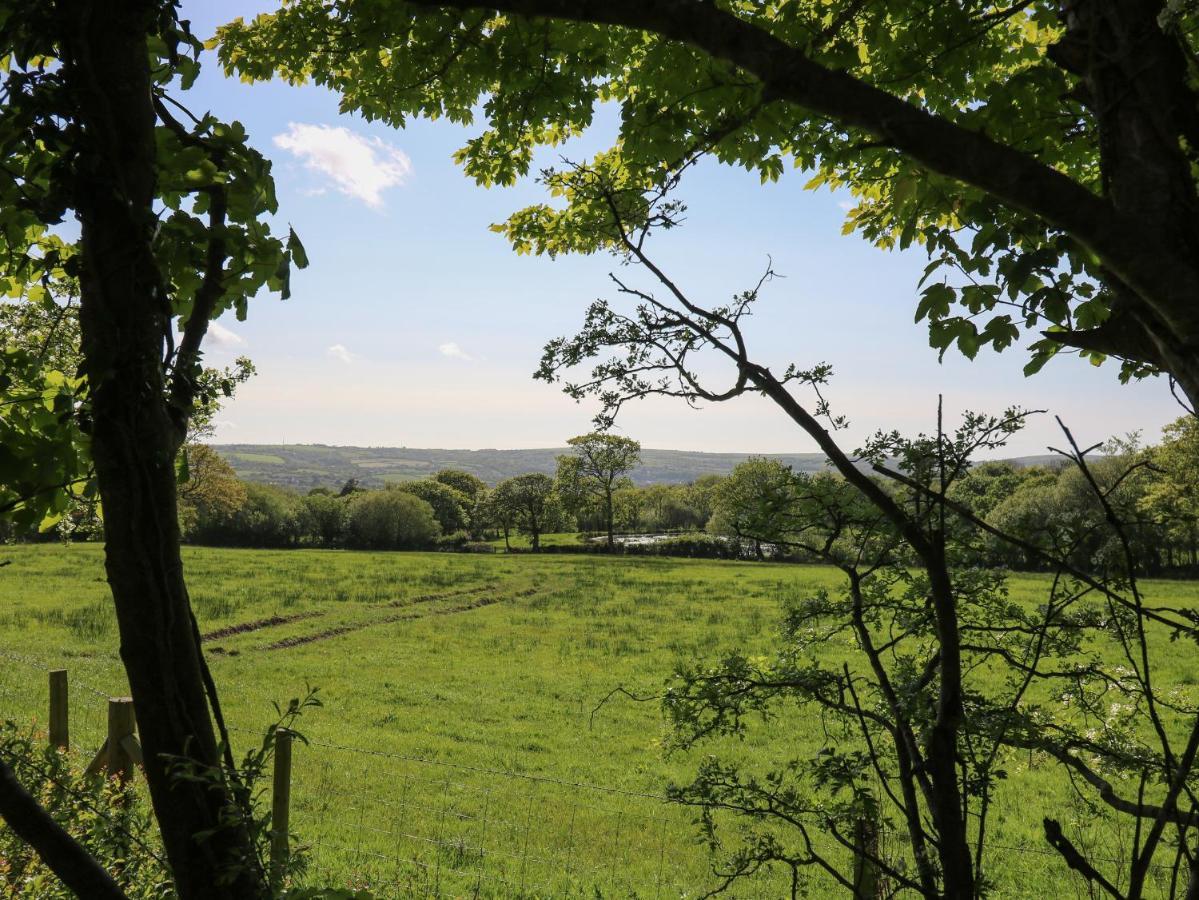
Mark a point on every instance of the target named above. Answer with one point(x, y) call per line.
point(449, 505)
point(108, 820)
point(270, 517)
point(390, 520)
point(454, 541)
point(323, 518)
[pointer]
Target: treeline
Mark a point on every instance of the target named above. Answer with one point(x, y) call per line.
point(1153, 490)
point(1066, 511)
point(450, 510)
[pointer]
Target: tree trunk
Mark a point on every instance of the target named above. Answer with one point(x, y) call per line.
point(124, 316)
point(608, 510)
point(941, 756)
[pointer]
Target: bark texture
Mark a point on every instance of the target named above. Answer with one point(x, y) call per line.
point(125, 313)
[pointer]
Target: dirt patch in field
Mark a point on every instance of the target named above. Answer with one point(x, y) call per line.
point(429, 598)
point(300, 640)
point(257, 625)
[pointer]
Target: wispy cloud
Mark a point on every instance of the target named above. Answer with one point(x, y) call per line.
point(220, 336)
point(453, 351)
point(358, 166)
point(341, 353)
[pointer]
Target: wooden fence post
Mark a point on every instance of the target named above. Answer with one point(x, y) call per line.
point(60, 727)
point(866, 881)
point(281, 805)
point(122, 745)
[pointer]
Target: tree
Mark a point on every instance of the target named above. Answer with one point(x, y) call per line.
point(325, 516)
point(930, 734)
point(463, 482)
point(594, 471)
point(751, 501)
point(1044, 153)
point(350, 487)
point(211, 490)
point(528, 502)
point(449, 505)
point(390, 520)
point(1172, 498)
point(475, 505)
point(171, 210)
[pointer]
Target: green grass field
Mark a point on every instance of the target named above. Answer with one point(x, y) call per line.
point(456, 753)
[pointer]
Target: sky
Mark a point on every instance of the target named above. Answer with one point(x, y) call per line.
point(415, 325)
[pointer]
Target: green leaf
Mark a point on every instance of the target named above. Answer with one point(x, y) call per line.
point(298, 254)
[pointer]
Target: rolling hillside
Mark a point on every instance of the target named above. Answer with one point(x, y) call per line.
point(305, 466)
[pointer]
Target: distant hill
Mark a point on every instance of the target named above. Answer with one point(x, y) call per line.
point(306, 466)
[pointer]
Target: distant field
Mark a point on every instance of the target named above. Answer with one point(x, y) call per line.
point(307, 466)
point(456, 754)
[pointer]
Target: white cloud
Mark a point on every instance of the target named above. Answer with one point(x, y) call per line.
point(358, 166)
point(453, 351)
point(221, 336)
point(339, 352)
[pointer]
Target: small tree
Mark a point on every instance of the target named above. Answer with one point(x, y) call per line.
point(918, 726)
point(593, 472)
point(529, 503)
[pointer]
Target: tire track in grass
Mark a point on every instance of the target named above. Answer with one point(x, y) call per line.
point(257, 625)
point(302, 639)
point(275, 621)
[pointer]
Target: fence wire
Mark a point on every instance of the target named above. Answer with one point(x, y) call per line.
point(408, 826)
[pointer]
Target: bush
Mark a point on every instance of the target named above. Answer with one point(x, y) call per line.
point(270, 517)
point(454, 541)
point(390, 520)
point(323, 519)
point(108, 820)
point(449, 505)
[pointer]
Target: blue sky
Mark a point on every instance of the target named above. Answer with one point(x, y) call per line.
point(417, 326)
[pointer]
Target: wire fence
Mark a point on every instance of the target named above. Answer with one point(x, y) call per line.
point(409, 826)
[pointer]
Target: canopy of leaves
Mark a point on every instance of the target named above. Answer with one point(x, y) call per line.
point(997, 265)
point(213, 250)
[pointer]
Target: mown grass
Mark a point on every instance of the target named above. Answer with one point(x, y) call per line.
point(459, 751)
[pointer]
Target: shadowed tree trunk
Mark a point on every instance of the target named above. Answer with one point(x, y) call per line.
point(125, 314)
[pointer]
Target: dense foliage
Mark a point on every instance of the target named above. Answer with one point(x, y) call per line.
point(109, 819)
point(1052, 508)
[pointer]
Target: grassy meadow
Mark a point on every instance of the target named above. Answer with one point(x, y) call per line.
point(457, 753)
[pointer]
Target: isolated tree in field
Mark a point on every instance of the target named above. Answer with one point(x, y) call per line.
point(171, 209)
point(594, 472)
point(1046, 154)
point(528, 503)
